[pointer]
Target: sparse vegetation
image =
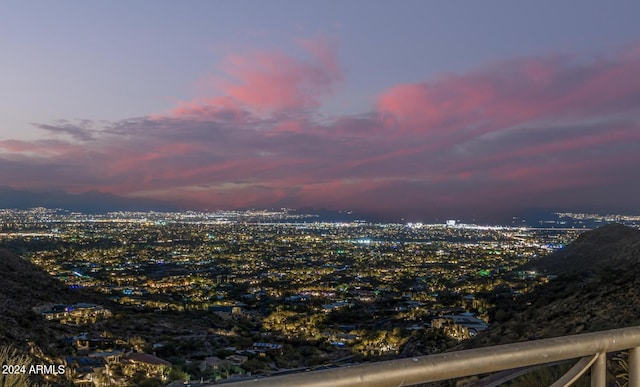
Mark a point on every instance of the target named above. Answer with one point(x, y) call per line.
point(11, 357)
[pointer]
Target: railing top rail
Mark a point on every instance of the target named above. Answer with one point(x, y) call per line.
point(450, 365)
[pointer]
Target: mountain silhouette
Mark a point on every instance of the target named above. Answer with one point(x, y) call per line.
point(91, 202)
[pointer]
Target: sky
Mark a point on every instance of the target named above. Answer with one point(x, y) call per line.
point(401, 109)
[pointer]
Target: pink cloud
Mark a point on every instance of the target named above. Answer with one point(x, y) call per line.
point(150, 158)
point(509, 93)
point(269, 81)
point(423, 107)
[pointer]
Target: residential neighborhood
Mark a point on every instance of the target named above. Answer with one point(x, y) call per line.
point(205, 297)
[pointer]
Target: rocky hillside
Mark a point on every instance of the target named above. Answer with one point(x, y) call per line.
point(23, 286)
point(611, 247)
point(597, 288)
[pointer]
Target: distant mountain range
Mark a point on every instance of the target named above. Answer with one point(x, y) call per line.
point(92, 202)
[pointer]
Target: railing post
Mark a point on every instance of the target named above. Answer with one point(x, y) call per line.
point(599, 371)
point(634, 367)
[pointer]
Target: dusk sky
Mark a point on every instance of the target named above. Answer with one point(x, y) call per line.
point(401, 109)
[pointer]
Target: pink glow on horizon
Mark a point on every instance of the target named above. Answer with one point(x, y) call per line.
point(49, 148)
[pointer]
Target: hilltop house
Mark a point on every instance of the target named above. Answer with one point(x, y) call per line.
point(460, 326)
point(76, 314)
point(150, 364)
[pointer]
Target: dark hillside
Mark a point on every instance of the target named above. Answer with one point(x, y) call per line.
point(598, 288)
point(24, 286)
point(611, 247)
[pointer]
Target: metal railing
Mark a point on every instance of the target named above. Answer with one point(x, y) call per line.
point(590, 348)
